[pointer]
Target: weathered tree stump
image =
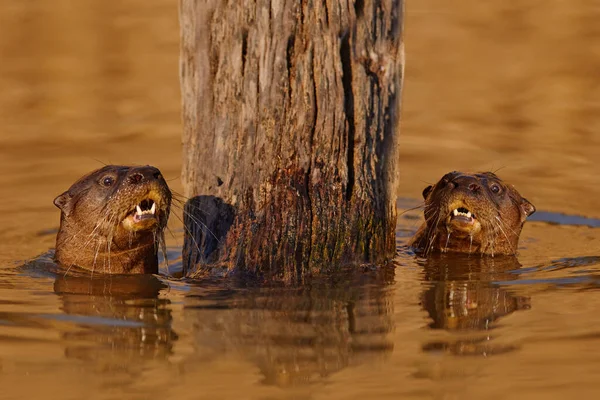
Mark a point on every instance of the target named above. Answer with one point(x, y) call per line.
point(290, 114)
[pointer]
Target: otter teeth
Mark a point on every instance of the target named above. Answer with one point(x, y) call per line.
point(139, 211)
point(457, 213)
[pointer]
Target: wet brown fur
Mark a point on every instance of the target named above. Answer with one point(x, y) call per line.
point(498, 208)
point(93, 232)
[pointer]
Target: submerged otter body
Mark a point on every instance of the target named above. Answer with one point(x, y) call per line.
point(472, 213)
point(112, 220)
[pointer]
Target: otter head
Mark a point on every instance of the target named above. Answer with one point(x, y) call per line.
point(472, 213)
point(112, 220)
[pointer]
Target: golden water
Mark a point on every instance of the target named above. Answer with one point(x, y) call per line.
point(494, 85)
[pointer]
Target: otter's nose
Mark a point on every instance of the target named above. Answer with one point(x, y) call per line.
point(474, 187)
point(468, 183)
point(143, 174)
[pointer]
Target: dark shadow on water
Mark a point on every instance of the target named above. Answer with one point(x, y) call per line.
point(462, 295)
point(564, 219)
point(570, 263)
point(296, 335)
point(583, 272)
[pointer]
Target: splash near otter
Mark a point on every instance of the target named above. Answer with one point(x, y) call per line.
point(472, 213)
point(113, 219)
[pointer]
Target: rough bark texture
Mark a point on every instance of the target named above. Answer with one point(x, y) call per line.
point(290, 113)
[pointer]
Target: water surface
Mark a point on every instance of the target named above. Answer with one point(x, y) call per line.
point(490, 86)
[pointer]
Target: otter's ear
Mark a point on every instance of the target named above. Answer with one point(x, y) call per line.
point(527, 207)
point(426, 191)
point(64, 202)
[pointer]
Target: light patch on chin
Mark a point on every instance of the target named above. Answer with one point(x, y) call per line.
point(461, 221)
point(130, 223)
point(143, 217)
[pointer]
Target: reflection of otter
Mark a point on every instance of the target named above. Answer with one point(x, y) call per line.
point(463, 296)
point(472, 213)
point(112, 220)
point(122, 317)
point(296, 335)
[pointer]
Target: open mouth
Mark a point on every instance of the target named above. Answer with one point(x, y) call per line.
point(146, 209)
point(461, 214)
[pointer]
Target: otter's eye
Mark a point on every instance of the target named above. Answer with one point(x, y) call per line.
point(108, 181)
point(495, 188)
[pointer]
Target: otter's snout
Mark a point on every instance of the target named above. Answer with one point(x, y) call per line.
point(467, 184)
point(143, 175)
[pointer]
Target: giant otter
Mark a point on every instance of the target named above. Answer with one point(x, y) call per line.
point(472, 213)
point(112, 220)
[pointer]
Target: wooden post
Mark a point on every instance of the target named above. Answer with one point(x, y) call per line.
point(290, 115)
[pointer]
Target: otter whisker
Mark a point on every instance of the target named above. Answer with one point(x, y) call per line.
point(430, 237)
point(163, 247)
point(68, 269)
point(99, 223)
point(505, 235)
point(184, 201)
point(470, 243)
point(191, 216)
point(109, 240)
point(430, 244)
point(172, 234)
point(198, 223)
point(447, 241)
point(493, 233)
point(507, 227)
point(81, 248)
point(412, 209)
point(488, 240)
point(432, 233)
point(192, 236)
point(95, 257)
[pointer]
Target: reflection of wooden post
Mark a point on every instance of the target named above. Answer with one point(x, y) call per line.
point(290, 113)
point(295, 335)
